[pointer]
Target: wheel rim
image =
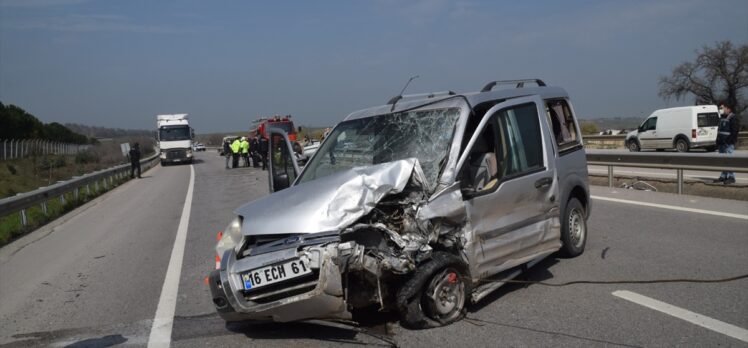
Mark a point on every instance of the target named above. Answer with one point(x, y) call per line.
point(681, 145)
point(633, 147)
point(577, 228)
point(446, 295)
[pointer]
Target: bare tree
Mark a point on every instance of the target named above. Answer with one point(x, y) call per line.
point(719, 73)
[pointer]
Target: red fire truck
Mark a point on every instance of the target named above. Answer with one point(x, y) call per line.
point(259, 126)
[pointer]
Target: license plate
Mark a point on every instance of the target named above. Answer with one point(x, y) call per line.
point(273, 274)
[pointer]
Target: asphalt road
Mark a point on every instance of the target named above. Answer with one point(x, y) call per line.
point(94, 277)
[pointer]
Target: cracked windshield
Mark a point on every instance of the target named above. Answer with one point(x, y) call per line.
point(425, 135)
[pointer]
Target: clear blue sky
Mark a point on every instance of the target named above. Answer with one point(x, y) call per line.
point(119, 63)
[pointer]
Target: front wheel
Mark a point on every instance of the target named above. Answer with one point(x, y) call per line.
point(436, 294)
point(634, 146)
point(681, 145)
point(573, 229)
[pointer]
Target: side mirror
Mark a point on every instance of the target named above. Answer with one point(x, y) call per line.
point(282, 165)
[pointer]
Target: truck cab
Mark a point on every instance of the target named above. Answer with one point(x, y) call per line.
point(174, 136)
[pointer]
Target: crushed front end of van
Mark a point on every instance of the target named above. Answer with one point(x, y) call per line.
point(366, 230)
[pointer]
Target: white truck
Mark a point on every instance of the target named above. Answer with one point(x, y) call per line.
point(174, 138)
point(681, 128)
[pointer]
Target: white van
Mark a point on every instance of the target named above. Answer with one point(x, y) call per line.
point(681, 128)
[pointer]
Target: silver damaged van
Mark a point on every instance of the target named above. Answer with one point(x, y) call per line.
point(418, 206)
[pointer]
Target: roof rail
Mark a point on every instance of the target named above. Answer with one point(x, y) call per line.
point(520, 83)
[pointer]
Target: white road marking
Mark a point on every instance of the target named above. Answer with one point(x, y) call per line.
point(673, 207)
point(680, 313)
point(162, 323)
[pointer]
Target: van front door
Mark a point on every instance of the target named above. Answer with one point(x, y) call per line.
point(648, 133)
point(513, 209)
point(282, 166)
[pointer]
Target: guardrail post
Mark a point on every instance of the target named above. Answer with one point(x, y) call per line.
point(62, 199)
point(88, 189)
point(680, 181)
point(106, 187)
point(23, 218)
point(75, 194)
point(44, 207)
point(96, 185)
point(610, 176)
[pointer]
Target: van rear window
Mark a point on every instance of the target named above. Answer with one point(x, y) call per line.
point(708, 119)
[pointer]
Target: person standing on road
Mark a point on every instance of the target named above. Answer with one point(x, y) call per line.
point(254, 147)
point(236, 148)
point(135, 160)
point(727, 137)
point(245, 152)
point(264, 151)
point(227, 152)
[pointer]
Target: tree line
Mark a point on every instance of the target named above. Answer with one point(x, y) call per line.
point(16, 123)
point(104, 132)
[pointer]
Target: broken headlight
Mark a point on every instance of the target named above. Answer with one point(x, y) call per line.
point(232, 236)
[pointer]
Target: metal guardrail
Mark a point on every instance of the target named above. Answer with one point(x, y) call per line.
point(617, 141)
point(675, 161)
point(40, 196)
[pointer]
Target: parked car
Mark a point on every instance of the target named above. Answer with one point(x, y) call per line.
point(418, 206)
point(681, 128)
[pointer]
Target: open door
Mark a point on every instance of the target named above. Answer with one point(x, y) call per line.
point(282, 166)
point(510, 187)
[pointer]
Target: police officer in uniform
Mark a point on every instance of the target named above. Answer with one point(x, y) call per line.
point(727, 137)
point(264, 151)
point(135, 160)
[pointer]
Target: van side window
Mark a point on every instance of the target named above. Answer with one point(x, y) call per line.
point(520, 144)
point(510, 145)
point(650, 124)
point(562, 123)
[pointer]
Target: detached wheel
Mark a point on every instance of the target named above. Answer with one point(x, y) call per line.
point(681, 145)
point(436, 295)
point(573, 229)
point(634, 146)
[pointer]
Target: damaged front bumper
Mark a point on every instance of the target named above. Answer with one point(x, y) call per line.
point(318, 294)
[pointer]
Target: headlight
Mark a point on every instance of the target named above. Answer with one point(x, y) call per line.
point(232, 236)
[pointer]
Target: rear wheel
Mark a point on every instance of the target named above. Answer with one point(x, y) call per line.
point(681, 145)
point(436, 294)
point(634, 146)
point(573, 229)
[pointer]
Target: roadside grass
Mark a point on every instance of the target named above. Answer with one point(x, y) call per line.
point(28, 174)
point(11, 226)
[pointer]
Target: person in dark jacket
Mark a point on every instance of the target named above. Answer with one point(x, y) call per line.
point(135, 160)
point(727, 137)
point(254, 147)
point(227, 152)
point(264, 151)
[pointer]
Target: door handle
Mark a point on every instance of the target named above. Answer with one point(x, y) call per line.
point(543, 182)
